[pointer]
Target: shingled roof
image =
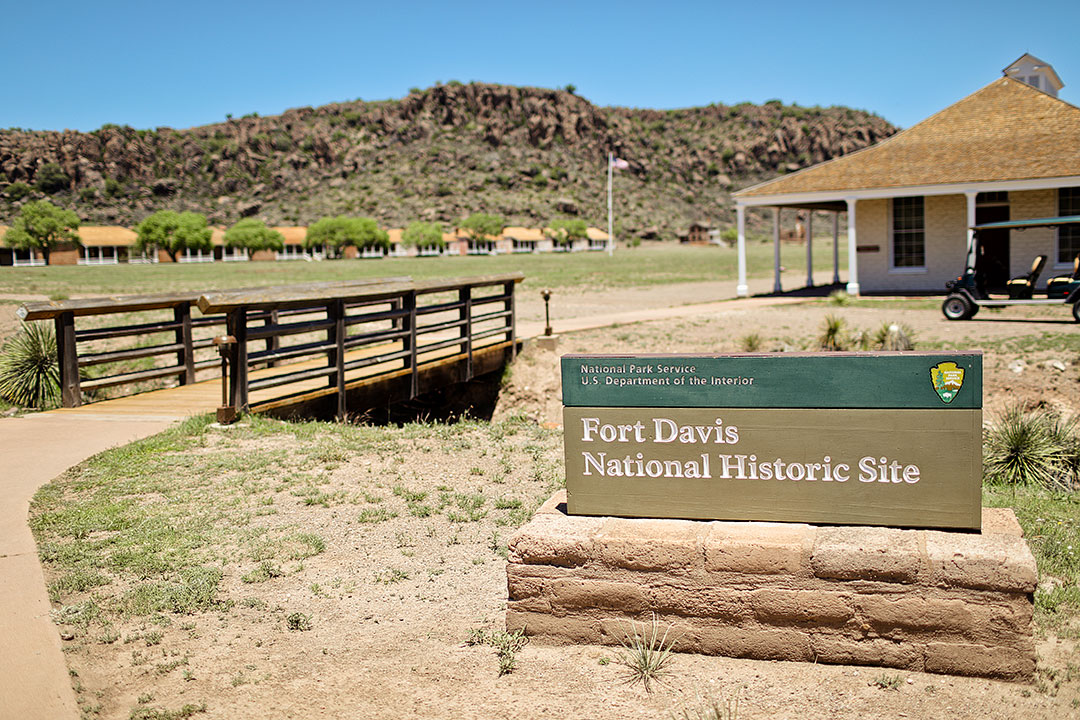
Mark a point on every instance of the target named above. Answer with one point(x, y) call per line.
point(1004, 131)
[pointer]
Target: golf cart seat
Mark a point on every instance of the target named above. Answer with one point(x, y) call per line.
point(1058, 286)
point(1023, 287)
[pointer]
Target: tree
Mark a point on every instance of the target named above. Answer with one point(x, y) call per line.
point(42, 226)
point(422, 235)
point(566, 231)
point(482, 226)
point(337, 233)
point(173, 232)
point(253, 235)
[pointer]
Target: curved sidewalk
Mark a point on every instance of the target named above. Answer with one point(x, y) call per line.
point(36, 448)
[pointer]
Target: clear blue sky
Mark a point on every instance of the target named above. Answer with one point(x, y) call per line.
point(82, 64)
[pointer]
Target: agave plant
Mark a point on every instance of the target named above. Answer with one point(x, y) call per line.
point(29, 374)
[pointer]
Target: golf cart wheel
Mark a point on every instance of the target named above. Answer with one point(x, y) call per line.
point(1076, 311)
point(957, 307)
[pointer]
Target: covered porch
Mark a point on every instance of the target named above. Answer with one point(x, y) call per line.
point(831, 208)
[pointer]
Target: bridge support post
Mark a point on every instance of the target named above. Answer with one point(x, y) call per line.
point(67, 357)
point(186, 356)
point(238, 359)
point(408, 304)
point(465, 297)
point(511, 333)
point(335, 312)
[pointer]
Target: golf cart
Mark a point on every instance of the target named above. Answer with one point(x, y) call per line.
point(970, 291)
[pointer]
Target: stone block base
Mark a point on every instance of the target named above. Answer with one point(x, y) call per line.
point(945, 602)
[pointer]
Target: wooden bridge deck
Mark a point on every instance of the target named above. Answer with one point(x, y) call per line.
point(204, 396)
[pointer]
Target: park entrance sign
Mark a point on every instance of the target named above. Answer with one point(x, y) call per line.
point(890, 439)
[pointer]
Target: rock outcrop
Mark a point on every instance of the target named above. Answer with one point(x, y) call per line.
point(441, 153)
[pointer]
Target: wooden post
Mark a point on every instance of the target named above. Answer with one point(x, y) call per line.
point(185, 357)
point(508, 289)
point(67, 358)
point(465, 296)
point(238, 359)
point(336, 334)
point(408, 301)
point(273, 343)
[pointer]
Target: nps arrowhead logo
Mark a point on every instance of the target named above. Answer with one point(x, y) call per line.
point(947, 379)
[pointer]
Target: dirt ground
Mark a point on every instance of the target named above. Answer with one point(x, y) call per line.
point(392, 600)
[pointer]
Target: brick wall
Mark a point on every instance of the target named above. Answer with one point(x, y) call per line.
point(945, 602)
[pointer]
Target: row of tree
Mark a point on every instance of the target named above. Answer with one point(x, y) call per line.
point(42, 226)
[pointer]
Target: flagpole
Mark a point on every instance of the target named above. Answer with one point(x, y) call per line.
point(610, 226)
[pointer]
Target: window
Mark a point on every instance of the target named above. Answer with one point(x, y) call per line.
point(1069, 236)
point(1032, 80)
point(992, 198)
point(909, 234)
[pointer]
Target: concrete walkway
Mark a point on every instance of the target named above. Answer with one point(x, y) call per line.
point(34, 680)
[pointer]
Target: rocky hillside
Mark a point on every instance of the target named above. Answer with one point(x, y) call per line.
point(438, 154)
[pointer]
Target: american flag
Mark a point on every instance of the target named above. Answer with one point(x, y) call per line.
point(620, 164)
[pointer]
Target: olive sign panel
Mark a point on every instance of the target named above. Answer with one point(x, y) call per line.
point(888, 439)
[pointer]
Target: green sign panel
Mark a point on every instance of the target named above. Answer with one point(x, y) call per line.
point(870, 439)
point(807, 380)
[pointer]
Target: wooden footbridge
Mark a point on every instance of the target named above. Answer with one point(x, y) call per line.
point(316, 349)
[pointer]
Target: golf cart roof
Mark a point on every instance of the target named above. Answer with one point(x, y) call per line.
point(1031, 223)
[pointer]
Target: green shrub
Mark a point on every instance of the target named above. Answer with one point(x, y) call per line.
point(51, 178)
point(29, 373)
point(18, 190)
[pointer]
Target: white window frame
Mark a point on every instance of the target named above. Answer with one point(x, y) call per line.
point(894, 269)
point(1067, 264)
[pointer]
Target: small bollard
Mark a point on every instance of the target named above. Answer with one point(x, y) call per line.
point(546, 294)
point(226, 414)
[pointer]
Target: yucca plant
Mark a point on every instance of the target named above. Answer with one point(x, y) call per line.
point(646, 653)
point(894, 336)
point(834, 334)
point(751, 343)
point(29, 374)
point(1031, 448)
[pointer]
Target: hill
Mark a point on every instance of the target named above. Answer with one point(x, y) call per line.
point(529, 154)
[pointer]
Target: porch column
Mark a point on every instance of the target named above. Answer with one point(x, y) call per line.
point(777, 287)
point(836, 247)
point(742, 289)
point(810, 249)
point(970, 219)
point(852, 248)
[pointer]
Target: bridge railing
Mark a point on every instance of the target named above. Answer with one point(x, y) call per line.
point(338, 336)
point(327, 332)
